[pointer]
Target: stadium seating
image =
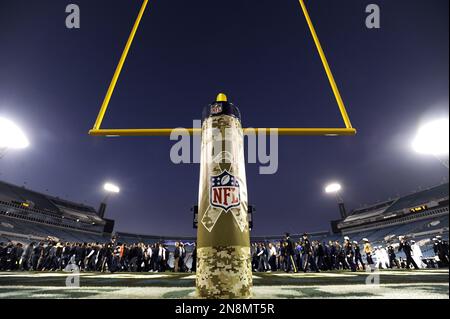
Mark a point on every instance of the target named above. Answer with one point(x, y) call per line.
point(17, 230)
point(421, 215)
point(44, 216)
point(27, 216)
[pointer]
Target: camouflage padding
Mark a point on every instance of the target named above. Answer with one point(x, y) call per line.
point(224, 272)
point(223, 238)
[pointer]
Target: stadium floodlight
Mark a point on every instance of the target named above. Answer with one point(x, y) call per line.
point(111, 188)
point(333, 188)
point(432, 138)
point(11, 136)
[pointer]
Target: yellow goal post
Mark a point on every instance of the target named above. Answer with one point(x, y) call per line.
point(97, 130)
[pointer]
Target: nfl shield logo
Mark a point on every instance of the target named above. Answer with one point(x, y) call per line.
point(224, 191)
point(216, 109)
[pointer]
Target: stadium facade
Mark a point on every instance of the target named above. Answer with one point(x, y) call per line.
point(26, 216)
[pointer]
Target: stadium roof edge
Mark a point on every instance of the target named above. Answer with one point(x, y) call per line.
point(379, 203)
point(52, 199)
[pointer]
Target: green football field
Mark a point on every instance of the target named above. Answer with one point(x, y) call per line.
point(421, 284)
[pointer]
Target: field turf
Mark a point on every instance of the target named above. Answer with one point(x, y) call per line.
point(391, 284)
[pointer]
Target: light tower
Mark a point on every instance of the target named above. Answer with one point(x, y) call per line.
point(335, 188)
point(110, 189)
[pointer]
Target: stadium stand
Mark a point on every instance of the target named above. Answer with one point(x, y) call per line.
point(26, 215)
point(419, 216)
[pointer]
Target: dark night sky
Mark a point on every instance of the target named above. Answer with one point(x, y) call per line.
point(53, 80)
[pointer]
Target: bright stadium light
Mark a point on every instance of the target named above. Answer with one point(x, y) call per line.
point(333, 188)
point(11, 136)
point(432, 138)
point(111, 188)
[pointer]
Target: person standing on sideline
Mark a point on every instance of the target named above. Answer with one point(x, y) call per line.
point(25, 259)
point(176, 257)
point(368, 252)
point(308, 257)
point(290, 254)
point(183, 257)
point(358, 256)
point(441, 251)
point(341, 257)
point(348, 248)
point(333, 256)
point(406, 247)
point(194, 258)
point(320, 256)
point(392, 257)
point(282, 256)
point(417, 254)
point(385, 256)
point(272, 257)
